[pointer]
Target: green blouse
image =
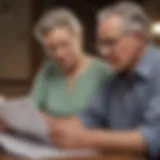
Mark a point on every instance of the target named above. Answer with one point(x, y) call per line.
point(52, 96)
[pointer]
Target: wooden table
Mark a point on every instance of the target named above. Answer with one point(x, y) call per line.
point(103, 157)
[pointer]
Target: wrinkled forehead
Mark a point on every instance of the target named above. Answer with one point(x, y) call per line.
point(111, 26)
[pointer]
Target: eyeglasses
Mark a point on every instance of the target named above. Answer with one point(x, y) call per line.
point(107, 43)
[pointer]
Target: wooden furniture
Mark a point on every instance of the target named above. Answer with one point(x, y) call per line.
point(103, 157)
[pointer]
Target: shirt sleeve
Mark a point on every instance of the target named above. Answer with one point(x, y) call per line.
point(151, 125)
point(39, 88)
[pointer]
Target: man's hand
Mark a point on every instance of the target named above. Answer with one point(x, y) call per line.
point(69, 133)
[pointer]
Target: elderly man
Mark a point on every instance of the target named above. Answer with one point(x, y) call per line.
point(125, 116)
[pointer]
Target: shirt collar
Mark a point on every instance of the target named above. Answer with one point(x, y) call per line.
point(146, 63)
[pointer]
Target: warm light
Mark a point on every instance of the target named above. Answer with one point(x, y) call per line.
point(156, 29)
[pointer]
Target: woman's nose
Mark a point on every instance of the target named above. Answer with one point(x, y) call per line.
point(105, 52)
point(60, 53)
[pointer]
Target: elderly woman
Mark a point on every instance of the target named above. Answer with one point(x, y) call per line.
point(66, 83)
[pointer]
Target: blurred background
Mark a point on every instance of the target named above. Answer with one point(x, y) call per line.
point(21, 55)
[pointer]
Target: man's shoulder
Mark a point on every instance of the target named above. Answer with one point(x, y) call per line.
point(150, 64)
point(155, 56)
point(156, 51)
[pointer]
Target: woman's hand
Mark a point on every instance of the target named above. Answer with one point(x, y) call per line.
point(69, 133)
point(56, 122)
point(50, 120)
point(2, 126)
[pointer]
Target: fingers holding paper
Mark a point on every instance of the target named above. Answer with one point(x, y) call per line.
point(2, 126)
point(68, 133)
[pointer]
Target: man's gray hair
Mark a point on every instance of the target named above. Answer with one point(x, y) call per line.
point(56, 18)
point(131, 13)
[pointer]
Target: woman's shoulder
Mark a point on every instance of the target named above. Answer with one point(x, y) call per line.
point(102, 71)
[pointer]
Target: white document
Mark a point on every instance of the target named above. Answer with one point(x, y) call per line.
point(21, 115)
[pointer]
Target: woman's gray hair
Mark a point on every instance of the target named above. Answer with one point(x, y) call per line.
point(56, 18)
point(131, 13)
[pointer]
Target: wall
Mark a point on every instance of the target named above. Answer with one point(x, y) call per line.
point(14, 41)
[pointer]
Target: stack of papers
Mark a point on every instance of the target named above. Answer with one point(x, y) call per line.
point(22, 116)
